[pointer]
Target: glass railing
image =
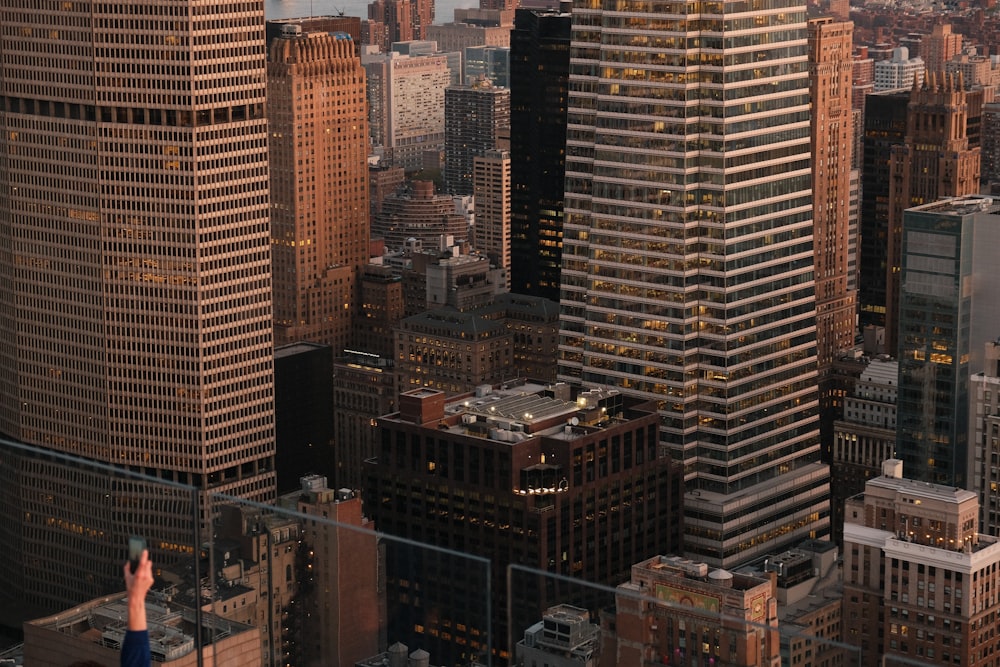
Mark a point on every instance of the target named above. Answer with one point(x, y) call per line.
point(311, 581)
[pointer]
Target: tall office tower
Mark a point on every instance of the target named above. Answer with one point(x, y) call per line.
point(135, 276)
point(948, 309)
point(934, 161)
point(919, 580)
point(884, 128)
point(539, 79)
point(397, 17)
point(939, 47)
point(474, 119)
point(319, 185)
point(567, 481)
point(688, 256)
point(864, 435)
point(832, 145)
point(491, 188)
point(984, 438)
point(406, 102)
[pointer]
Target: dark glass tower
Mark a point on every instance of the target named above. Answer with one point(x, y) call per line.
point(885, 127)
point(539, 63)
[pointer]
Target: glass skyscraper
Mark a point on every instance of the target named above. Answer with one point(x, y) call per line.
point(688, 252)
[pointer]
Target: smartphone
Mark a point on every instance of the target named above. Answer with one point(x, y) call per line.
point(136, 545)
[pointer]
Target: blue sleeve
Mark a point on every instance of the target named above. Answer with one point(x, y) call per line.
point(135, 649)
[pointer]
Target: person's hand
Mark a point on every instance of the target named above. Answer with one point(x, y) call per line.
point(138, 584)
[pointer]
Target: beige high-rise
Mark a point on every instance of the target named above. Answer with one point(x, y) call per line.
point(135, 271)
point(319, 184)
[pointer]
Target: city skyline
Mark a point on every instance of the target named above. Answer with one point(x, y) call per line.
point(157, 173)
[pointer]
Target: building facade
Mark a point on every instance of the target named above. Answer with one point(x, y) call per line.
point(543, 476)
point(832, 142)
point(406, 105)
point(899, 72)
point(135, 273)
point(318, 160)
point(475, 118)
point(722, 330)
point(416, 212)
point(491, 187)
point(864, 436)
point(341, 603)
point(698, 616)
point(984, 438)
point(918, 577)
point(947, 314)
point(538, 92)
point(885, 122)
point(934, 161)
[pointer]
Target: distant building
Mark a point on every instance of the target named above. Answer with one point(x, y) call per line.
point(949, 308)
point(935, 161)
point(417, 212)
point(831, 138)
point(395, 19)
point(919, 580)
point(885, 123)
point(474, 27)
point(564, 637)
point(864, 436)
point(318, 244)
point(491, 187)
point(900, 71)
point(538, 95)
point(475, 118)
point(705, 616)
point(489, 63)
point(406, 104)
point(457, 350)
point(364, 388)
point(552, 477)
point(95, 630)
point(939, 47)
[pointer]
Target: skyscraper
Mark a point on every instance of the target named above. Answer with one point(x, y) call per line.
point(135, 272)
point(687, 271)
point(475, 117)
point(948, 310)
point(884, 127)
point(539, 67)
point(319, 185)
point(934, 161)
point(830, 65)
point(491, 187)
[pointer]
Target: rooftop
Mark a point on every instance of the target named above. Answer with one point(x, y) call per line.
point(966, 205)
